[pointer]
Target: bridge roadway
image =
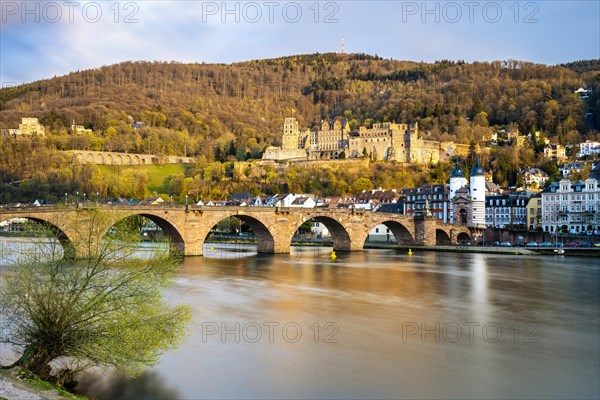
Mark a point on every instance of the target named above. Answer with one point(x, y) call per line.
point(274, 227)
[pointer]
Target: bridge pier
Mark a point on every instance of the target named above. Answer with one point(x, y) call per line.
point(454, 236)
point(425, 227)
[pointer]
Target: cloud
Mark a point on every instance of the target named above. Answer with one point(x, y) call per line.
point(39, 43)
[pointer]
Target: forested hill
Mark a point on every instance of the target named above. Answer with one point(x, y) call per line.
point(218, 110)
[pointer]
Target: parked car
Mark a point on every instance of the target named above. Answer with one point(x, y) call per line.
point(559, 244)
point(520, 244)
point(573, 244)
point(545, 244)
point(505, 244)
point(483, 243)
point(586, 244)
point(532, 244)
point(496, 243)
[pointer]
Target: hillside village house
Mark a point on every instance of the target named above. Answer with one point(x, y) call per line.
point(588, 148)
point(27, 128)
point(555, 152)
point(567, 169)
point(79, 129)
point(534, 177)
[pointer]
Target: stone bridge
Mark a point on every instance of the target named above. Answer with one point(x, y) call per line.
point(274, 227)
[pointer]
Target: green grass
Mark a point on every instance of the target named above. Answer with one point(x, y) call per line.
point(39, 385)
point(157, 174)
point(35, 384)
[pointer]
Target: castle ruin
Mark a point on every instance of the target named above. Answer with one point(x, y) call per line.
point(383, 142)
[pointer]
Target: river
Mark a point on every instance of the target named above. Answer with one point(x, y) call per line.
point(380, 324)
point(376, 324)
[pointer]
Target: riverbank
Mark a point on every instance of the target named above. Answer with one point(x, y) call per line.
point(568, 251)
point(19, 384)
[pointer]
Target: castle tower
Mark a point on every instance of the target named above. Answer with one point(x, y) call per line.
point(477, 189)
point(290, 134)
point(411, 143)
point(457, 180)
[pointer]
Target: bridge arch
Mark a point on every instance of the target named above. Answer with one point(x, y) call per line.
point(442, 238)
point(339, 234)
point(463, 237)
point(265, 241)
point(65, 241)
point(176, 241)
point(401, 233)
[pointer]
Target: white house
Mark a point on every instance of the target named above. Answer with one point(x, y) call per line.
point(588, 148)
point(381, 233)
point(303, 202)
point(319, 229)
point(256, 201)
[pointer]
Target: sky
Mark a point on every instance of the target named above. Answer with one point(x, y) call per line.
point(43, 39)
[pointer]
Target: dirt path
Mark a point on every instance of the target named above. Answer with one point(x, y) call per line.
point(13, 390)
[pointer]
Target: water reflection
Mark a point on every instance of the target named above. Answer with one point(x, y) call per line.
point(148, 386)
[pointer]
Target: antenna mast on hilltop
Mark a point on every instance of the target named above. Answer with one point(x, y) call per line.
point(342, 45)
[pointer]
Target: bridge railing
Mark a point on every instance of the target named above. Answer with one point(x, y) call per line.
point(193, 207)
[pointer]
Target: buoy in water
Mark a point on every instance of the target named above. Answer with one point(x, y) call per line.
point(333, 256)
point(410, 252)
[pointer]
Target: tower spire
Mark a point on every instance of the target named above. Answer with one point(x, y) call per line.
point(342, 45)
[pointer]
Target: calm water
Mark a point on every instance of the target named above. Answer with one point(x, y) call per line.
point(379, 324)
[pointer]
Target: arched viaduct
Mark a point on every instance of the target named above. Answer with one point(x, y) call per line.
point(274, 227)
point(115, 158)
